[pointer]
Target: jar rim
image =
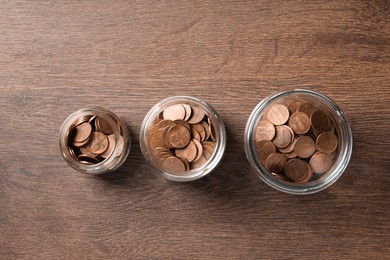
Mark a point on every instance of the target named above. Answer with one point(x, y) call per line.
point(312, 186)
point(219, 149)
point(110, 163)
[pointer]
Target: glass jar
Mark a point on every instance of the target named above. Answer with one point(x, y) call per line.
point(112, 131)
point(340, 127)
point(174, 115)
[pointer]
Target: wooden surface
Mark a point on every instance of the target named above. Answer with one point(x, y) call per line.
point(59, 56)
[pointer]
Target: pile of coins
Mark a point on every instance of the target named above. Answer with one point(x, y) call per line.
point(91, 140)
point(296, 142)
point(182, 138)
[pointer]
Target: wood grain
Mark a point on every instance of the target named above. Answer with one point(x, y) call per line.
point(59, 56)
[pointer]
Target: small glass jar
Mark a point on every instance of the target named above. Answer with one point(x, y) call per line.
point(113, 158)
point(341, 128)
point(216, 127)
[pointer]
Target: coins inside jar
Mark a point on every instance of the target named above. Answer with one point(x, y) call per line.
point(181, 138)
point(296, 141)
point(91, 139)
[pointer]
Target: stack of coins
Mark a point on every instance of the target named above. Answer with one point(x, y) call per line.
point(91, 140)
point(182, 138)
point(296, 142)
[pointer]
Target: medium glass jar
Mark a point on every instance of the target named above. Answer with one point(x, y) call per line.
point(94, 140)
point(338, 125)
point(183, 138)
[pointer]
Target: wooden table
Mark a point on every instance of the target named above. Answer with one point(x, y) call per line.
point(59, 56)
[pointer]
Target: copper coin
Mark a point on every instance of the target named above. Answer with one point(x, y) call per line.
point(103, 126)
point(174, 112)
point(195, 134)
point(156, 140)
point(178, 136)
point(295, 169)
point(265, 130)
point(208, 145)
point(307, 108)
point(80, 144)
point(299, 123)
point(72, 153)
point(84, 150)
point(327, 142)
point(82, 119)
point(211, 130)
point(289, 148)
point(320, 121)
point(320, 162)
point(197, 115)
point(173, 164)
point(200, 129)
point(164, 124)
point(198, 163)
point(199, 149)
point(120, 143)
point(98, 143)
point(290, 155)
point(264, 149)
point(111, 145)
point(283, 137)
point(278, 114)
point(188, 110)
point(304, 147)
point(308, 176)
point(186, 163)
point(206, 153)
point(82, 132)
point(206, 128)
point(189, 152)
point(280, 176)
point(83, 158)
point(293, 106)
point(275, 162)
point(184, 123)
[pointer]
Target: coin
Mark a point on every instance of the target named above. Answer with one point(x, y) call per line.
point(320, 121)
point(197, 115)
point(304, 147)
point(275, 162)
point(189, 152)
point(98, 143)
point(174, 164)
point(277, 114)
point(320, 162)
point(327, 142)
point(200, 129)
point(198, 163)
point(103, 126)
point(156, 140)
point(308, 176)
point(206, 128)
point(188, 110)
point(111, 145)
point(263, 149)
point(295, 169)
point(293, 106)
point(174, 112)
point(307, 108)
point(199, 149)
point(82, 133)
point(265, 130)
point(283, 137)
point(299, 122)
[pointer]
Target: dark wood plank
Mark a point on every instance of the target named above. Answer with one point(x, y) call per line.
point(58, 56)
